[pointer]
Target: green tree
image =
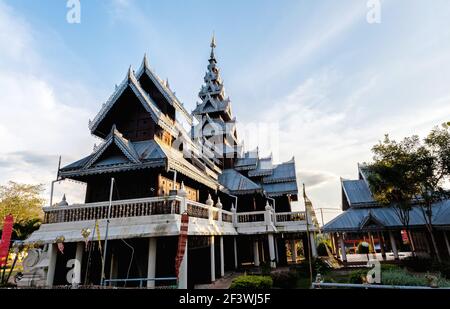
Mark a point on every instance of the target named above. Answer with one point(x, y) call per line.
point(23, 201)
point(413, 173)
point(393, 177)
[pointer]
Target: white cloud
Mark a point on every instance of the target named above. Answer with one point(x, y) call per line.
point(35, 123)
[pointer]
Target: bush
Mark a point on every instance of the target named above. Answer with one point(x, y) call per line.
point(319, 266)
point(363, 247)
point(252, 282)
point(388, 267)
point(322, 249)
point(417, 264)
point(402, 277)
point(358, 276)
point(285, 279)
point(443, 268)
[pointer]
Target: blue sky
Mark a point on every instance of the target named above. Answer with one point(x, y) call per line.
point(334, 83)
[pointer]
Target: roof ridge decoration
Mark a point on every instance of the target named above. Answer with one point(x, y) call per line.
point(131, 81)
point(163, 87)
point(123, 144)
point(370, 217)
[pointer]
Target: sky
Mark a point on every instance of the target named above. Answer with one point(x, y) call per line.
point(331, 82)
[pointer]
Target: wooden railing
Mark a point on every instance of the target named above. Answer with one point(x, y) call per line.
point(119, 209)
point(167, 205)
point(198, 210)
point(290, 216)
point(249, 217)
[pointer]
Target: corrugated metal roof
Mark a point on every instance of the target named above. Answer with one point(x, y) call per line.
point(277, 189)
point(357, 192)
point(264, 168)
point(353, 218)
point(236, 182)
point(282, 173)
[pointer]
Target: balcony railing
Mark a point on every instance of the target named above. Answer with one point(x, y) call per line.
point(168, 205)
point(119, 209)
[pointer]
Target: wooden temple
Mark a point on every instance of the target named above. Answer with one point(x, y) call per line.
point(239, 204)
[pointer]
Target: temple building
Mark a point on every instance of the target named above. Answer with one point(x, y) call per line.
point(363, 219)
point(146, 173)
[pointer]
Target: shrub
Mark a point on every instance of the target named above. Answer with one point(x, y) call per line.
point(322, 249)
point(443, 268)
point(363, 247)
point(402, 277)
point(252, 282)
point(417, 264)
point(387, 267)
point(285, 279)
point(358, 276)
point(319, 266)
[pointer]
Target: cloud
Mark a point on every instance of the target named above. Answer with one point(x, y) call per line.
point(37, 123)
point(315, 179)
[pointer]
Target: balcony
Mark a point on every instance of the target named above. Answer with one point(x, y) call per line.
point(160, 216)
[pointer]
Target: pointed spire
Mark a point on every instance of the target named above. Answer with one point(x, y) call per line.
point(213, 45)
point(167, 83)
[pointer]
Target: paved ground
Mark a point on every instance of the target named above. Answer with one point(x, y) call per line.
point(222, 283)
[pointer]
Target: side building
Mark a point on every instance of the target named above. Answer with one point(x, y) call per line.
point(365, 220)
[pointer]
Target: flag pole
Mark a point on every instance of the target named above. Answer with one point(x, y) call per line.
point(106, 234)
point(308, 236)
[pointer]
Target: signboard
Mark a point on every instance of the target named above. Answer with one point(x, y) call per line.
point(182, 241)
point(6, 239)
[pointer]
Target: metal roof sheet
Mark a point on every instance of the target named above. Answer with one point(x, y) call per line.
point(282, 173)
point(236, 182)
point(277, 189)
point(357, 192)
point(353, 218)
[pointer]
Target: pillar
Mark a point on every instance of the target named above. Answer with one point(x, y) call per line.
point(212, 258)
point(372, 243)
point(336, 246)
point(151, 266)
point(393, 245)
point(341, 242)
point(263, 257)
point(381, 241)
point(313, 245)
point(77, 267)
point(255, 253)
point(446, 241)
point(183, 272)
point(277, 257)
point(293, 252)
point(222, 259)
point(272, 251)
point(235, 253)
point(333, 249)
point(51, 254)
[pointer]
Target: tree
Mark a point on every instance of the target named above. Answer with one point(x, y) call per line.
point(23, 201)
point(435, 172)
point(393, 177)
point(413, 173)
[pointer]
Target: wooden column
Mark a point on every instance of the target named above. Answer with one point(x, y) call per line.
point(393, 245)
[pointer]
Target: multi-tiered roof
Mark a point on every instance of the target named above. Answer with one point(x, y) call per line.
point(216, 127)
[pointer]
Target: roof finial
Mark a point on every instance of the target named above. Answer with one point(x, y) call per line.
point(213, 45)
point(130, 72)
point(145, 60)
point(213, 41)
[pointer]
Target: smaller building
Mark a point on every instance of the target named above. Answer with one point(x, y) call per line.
point(363, 219)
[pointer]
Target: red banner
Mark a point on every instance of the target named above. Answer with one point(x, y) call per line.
point(6, 239)
point(182, 240)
